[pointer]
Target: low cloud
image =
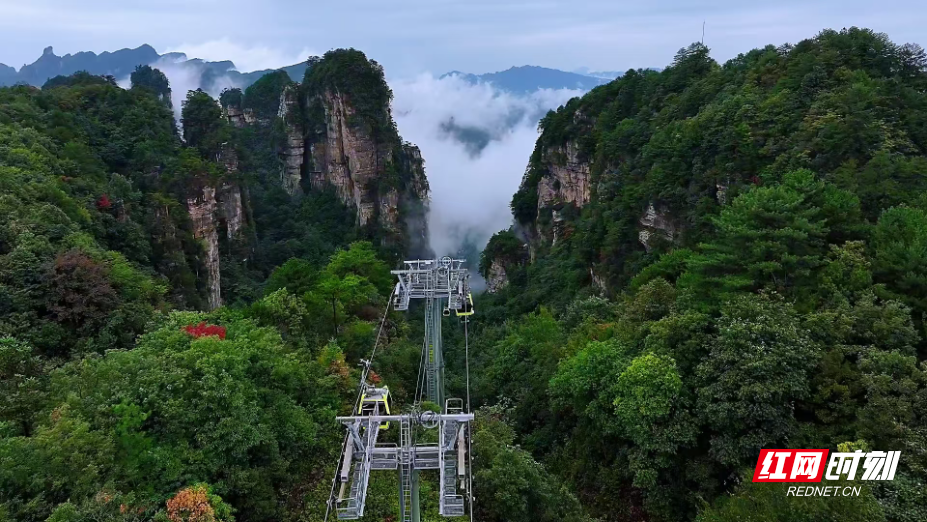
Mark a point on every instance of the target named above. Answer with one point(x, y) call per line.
point(186, 76)
point(187, 68)
point(246, 58)
point(476, 141)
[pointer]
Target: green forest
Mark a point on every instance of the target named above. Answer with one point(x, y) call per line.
point(780, 305)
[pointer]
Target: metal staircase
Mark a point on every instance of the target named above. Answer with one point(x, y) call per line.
point(450, 450)
point(406, 469)
point(433, 364)
point(352, 507)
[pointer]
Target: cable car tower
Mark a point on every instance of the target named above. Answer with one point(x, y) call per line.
point(444, 286)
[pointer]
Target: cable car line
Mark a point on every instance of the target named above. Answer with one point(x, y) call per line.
point(444, 285)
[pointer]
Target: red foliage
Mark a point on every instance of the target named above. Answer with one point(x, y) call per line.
point(203, 329)
point(190, 505)
point(104, 203)
point(374, 378)
point(755, 180)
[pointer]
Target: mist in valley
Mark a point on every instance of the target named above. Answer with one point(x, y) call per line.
point(476, 141)
point(187, 75)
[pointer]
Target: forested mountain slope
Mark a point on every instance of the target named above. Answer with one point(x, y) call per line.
point(181, 312)
point(756, 232)
point(205, 220)
point(120, 397)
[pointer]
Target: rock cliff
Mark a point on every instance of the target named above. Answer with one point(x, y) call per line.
point(358, 165)
point(230, 209)
point(567, 178)
point(202, 210)
point(336, 130)
point(294, 150)
point(556, 185)
point(656, 224)
point(346, 157)
point(212, 209)
point(353, 145)
point(496, 278)
point(502, 260)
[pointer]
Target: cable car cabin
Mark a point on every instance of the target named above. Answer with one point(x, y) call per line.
point(466, 308)
point(371, 398)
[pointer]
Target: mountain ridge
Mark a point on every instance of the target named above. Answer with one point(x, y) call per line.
point(122, 62)
point(519, 80)
point(525, 79)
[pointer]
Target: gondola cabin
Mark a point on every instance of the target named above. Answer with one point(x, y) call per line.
point(466, 306)
point(375, 401)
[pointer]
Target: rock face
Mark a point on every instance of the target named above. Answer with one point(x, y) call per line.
point(294, 152)
point(656, 223)
point(328, 142)
point(598, 282)
point(564, 181)
point(348, 158)
point(229, 194)
point(228, 158)
point(210, 209)
point(417, 200)
point(325, 142)
point(559, 227)
point(207, 210)
point(230, 209)
point(415, 164)
point(235, 116)
point(567, 179)
point(202, 210)
point(239, 117)
point(496, 278)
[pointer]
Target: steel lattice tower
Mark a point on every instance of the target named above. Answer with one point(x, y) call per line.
point(444, 286)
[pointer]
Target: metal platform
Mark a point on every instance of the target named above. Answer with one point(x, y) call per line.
point(363, 454)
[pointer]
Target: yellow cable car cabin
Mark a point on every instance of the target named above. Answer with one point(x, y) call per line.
point(467, 306)
point(371, 398)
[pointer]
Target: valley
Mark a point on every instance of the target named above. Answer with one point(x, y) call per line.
point(682, 267)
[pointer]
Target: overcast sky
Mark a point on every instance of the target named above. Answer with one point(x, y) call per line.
point(411, 36)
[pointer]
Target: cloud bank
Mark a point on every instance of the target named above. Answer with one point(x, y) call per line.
point(186, 69)
point(476, 141)
point(246, 58)
point(186, 75)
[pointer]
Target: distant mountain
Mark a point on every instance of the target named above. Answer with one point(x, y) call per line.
point(529, 78)
point(7, 75)
point(121, 63)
